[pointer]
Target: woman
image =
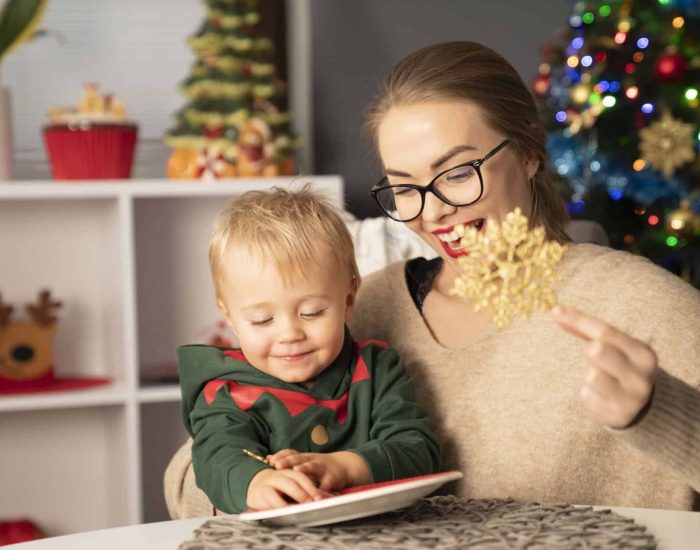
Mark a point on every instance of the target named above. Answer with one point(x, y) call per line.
point(605, 411)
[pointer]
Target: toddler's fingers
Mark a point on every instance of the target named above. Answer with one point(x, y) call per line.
point(310, 468)
point(328, 482)
point(308, 483)
point(291, 461)
point(271, 498)
point(280, 459)
point(281, 454)
point(295, 489)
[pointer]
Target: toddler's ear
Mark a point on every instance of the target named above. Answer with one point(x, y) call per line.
point(227, 316)
point(350, 301)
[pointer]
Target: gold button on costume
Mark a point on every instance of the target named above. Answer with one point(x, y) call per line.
point(319, 435)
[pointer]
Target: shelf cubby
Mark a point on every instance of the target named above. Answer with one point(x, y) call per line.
point(128, 259)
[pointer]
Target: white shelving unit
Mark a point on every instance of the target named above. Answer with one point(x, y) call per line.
point(128, 259)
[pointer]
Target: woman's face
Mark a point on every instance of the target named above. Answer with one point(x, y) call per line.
point(418, 141)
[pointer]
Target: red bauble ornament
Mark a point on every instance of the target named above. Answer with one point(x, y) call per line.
point(670, 66)
point(214, 132)
point(540, 86)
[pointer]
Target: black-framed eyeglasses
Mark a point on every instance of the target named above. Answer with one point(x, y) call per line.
point(460, 185)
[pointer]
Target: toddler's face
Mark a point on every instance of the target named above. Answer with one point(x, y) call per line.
point(292, 331)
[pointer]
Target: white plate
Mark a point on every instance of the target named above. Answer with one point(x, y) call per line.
point(375, 499)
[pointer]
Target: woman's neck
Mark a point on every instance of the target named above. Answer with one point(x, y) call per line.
point(444, 281)
point(451, 319)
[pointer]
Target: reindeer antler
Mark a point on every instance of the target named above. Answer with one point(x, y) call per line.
point(41, 313)
point(5, 313)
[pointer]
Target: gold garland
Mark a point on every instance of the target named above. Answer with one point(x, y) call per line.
point(233, 22)
point(217, 89)
point(232, 65)
point(211, 42)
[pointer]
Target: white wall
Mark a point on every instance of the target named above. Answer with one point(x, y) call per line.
point(133, 48)
point(356, 41)
point(339, 51)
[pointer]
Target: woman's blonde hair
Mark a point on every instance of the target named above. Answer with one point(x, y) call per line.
point(467, 71)
point(290, 229)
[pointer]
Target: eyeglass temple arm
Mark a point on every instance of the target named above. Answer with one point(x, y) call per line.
point(496, 150)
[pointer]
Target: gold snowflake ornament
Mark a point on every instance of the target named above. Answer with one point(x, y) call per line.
point(667, 144)
point(509, 269)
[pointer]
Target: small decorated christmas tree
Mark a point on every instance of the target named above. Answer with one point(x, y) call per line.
point(618, 91)
point(235, 122)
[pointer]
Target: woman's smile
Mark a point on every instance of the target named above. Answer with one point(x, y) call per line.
point(451, 236)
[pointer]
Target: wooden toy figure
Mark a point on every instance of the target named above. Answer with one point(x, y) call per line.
point(26, 347)
point(256, 150)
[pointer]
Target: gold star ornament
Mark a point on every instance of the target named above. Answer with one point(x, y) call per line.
point(510, 268)
point(667, 144)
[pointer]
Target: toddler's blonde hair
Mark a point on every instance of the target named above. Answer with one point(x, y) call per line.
point(290, 229)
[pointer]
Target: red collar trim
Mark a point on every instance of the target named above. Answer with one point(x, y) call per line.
point(295, 402)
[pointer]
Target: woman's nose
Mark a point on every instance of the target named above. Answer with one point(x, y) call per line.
point(434, 209)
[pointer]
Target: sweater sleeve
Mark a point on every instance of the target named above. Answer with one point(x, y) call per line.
point(665, 313)
point(221, 432)
point(669, 431)
point(401, 443)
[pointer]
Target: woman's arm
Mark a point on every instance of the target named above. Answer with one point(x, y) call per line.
point(627, 391)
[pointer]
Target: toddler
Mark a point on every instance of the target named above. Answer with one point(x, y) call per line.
point(301, 409)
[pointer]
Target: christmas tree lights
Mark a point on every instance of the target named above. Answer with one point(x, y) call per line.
point(618, 93)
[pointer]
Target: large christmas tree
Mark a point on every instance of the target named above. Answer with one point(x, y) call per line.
point(235, 122)
point(618, 91)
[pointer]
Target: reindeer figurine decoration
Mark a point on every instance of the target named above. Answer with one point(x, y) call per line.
point(26, 347)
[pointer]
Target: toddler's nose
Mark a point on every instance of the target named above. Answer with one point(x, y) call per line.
point(291, 331)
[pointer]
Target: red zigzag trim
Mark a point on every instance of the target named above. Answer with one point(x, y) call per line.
point(295, 402)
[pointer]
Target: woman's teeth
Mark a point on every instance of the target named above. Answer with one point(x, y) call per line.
point(452, 239)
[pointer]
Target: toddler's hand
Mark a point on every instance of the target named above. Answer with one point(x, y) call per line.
point(620, 376)
point(276, 488)
point(332, 470)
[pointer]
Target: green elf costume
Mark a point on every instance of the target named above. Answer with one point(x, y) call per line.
point(363, 402)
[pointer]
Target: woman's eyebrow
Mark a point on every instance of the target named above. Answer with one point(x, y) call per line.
point(451, 153)
point(437, 163)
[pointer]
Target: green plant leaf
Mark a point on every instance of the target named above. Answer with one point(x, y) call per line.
point(18, 21)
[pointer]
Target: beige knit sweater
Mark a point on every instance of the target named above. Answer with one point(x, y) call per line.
point(507, 408)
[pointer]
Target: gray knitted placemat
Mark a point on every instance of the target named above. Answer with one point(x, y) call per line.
point(444, 522)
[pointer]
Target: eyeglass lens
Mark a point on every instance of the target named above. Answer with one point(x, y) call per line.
point(460, 185)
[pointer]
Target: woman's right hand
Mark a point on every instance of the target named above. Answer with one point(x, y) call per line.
point(276, 488)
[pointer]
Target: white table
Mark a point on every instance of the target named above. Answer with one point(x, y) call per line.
point(673, 531)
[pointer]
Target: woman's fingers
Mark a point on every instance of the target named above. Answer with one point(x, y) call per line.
point(620, 376)
point(602, 383)
point(640, 355)
point(633, 378)
point(589, 328)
